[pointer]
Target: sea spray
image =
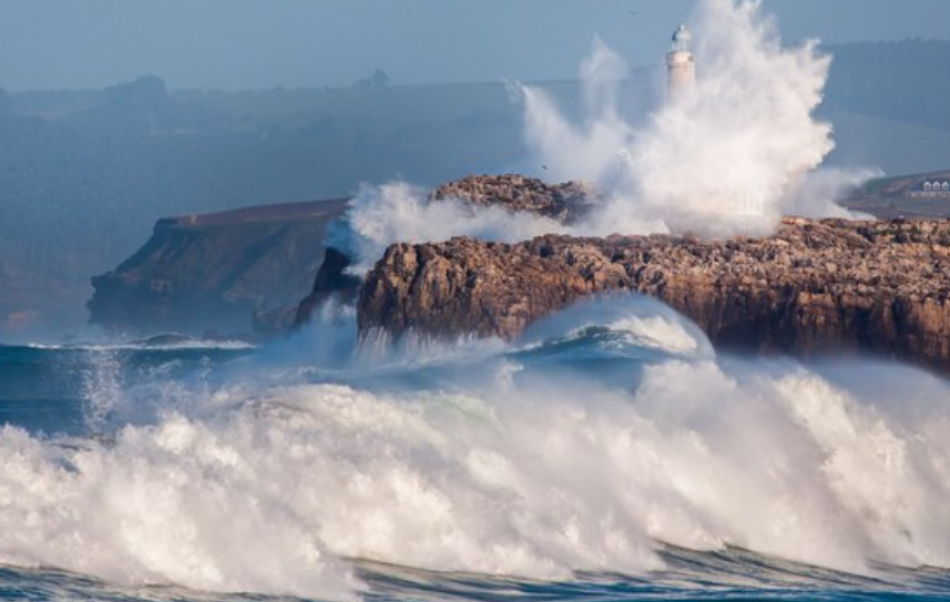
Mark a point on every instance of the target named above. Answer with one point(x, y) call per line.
point(587, 150)
point(273, 479)
point(399, 212)
point(727, 156)
point(102, 385)
point(494, 466)
point(730, 156)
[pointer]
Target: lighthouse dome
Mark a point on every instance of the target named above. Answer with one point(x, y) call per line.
point(682, 39)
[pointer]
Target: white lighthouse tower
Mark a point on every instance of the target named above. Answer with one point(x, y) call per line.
point(680, 63)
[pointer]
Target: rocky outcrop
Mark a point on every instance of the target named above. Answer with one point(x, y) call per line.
point(218, 272)
point(562, 202)
point(332, 283)
point(815, 286)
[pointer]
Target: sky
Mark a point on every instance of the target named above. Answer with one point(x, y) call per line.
point(260, 44)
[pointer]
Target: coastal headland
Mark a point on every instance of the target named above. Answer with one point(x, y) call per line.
point(815, 286)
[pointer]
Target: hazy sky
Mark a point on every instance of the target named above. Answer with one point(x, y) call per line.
point(239, 44)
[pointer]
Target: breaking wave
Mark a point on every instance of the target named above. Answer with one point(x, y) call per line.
point(611, 441)
point(151, 345)
point(731, 156)
point(610, 438)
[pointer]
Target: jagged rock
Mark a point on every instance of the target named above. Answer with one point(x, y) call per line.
point(563, 202)
point(815, 286)
point(332, 282)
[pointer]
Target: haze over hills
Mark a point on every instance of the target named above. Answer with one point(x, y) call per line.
point(85, 174)
point(884, 99)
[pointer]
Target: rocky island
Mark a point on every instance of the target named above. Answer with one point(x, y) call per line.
point(815, 286)
point(515, 193)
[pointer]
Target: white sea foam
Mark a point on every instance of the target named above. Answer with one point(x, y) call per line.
point(251, 487)
point(658, 332)
point(184, 344)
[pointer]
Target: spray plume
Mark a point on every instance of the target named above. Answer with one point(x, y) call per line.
point(398, 212)
point(731, 155)
point(728, 156)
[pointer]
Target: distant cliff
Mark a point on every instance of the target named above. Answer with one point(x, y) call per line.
point(830, 285)
point(902, 196)
point(214, 272)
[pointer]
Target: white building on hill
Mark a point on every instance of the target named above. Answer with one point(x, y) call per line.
point(932, 188)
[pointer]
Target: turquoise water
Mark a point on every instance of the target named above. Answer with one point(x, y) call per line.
point(610, 455)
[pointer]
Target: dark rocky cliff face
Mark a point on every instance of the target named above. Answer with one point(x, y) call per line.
point(830, 285)
point(332, 283)
point(214, 272)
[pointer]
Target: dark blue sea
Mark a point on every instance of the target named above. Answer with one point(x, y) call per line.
point(609, 455)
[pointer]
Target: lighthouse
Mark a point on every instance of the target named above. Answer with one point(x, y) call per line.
point(680, 63)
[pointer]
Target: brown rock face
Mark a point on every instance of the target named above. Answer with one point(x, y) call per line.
point(815, 286)
point(562, 202)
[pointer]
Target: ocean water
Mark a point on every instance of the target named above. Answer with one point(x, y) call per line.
point(609, 455)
